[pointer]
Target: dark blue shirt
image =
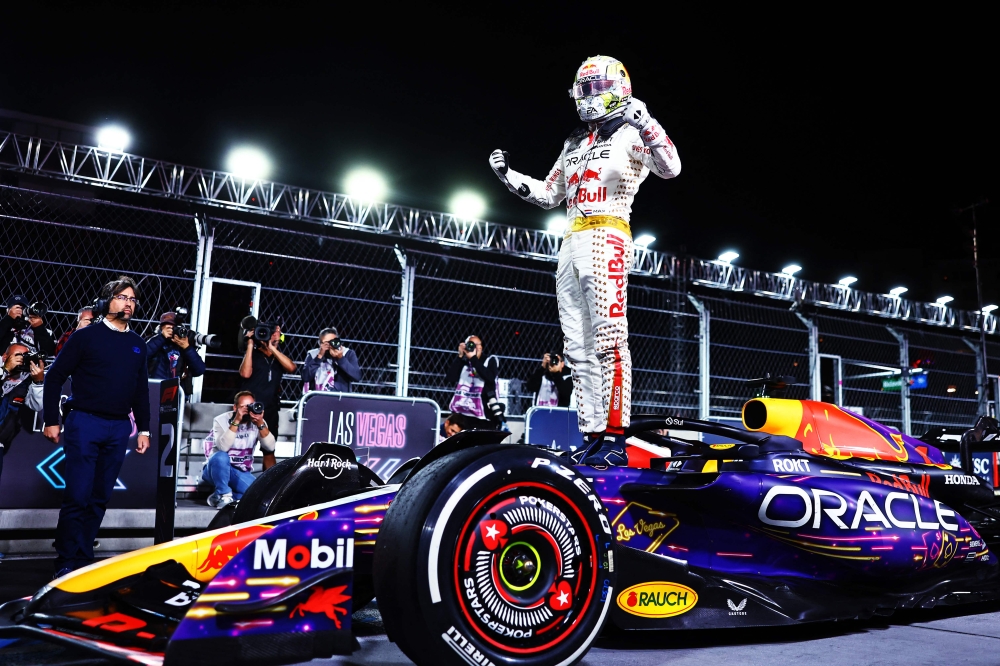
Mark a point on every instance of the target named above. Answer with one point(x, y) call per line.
point(108, 368)
point(165, 359)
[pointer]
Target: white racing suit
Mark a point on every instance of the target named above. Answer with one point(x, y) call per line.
point(598, 173)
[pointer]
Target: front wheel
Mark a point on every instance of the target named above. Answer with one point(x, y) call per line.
point(498, 551)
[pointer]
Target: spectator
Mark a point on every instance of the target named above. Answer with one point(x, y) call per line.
point(475, 385)
point(262, 377)
point(107, 362)
point(29, 331)
point(84, 318)
point(22, 385)
point(551, 383)
point(172, 356)
point(454, 424)
point(229, 449)
point(331, 366)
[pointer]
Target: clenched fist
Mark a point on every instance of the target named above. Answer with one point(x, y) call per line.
point(498, 162)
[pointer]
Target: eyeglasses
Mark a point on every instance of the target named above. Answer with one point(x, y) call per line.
point(122, 297)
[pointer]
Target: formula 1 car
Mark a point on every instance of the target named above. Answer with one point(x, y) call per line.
point(486, 553)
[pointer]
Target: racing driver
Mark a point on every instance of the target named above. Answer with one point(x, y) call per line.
point(598, 173)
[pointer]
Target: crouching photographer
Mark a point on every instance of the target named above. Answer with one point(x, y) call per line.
point(229, 449)
point(172, 352)
point(551, 383)
point(21, 376)
point(25, 325)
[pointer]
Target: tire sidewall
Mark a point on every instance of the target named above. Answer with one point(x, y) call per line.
point(518, 466)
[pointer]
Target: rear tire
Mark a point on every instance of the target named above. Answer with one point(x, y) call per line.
point(490, 551)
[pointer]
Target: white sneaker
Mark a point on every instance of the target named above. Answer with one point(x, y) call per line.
point(217, 501)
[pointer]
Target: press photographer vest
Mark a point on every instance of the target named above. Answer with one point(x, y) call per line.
point(468, 398)
point(548, 394)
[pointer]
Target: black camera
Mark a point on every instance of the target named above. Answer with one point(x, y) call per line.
point(554, 358)
point(256, 408)
point(470, 347)
point(27, 360)
point(262, 330)
point(335, 343)
point(182, 329)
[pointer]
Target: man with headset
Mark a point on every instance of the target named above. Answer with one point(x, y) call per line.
point(107, 362)
point(598, 174)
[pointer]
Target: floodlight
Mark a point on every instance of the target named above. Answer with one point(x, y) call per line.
point(847, 281)
point(729, 256)
point(248, 162)
point(366, 184)
point(644, 241)
point(113, 138)
point(556, 225)
point(468, 205)
point(944, 300)
point(988, 309)
point(898, 291)
point(791, 269)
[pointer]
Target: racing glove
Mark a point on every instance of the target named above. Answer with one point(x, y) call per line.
point(498, 161)
point(637, 115)
point(512, 179)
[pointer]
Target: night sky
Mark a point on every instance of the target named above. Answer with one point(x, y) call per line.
point(839, 139)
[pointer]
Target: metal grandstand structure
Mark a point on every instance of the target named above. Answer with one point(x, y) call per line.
point(133, 173)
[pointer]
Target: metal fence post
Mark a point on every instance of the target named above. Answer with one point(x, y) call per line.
point(704, 382)
point(904, 378)
point(206, 238)
point(409, 273)
point(981, 385)
point(815, 383)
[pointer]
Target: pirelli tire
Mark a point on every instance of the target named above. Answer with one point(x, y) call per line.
point(496, 554)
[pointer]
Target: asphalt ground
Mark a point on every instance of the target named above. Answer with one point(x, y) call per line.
point(955, 635)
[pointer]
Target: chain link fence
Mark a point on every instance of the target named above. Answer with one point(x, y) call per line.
point(748, 340)
point(61, 249)
point(862, 354)
point(951, 394)
point(310, 281)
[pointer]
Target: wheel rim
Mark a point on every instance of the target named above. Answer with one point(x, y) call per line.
point(525, 568)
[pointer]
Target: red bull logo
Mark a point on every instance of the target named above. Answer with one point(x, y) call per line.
point(225, 547)
point(616, 273)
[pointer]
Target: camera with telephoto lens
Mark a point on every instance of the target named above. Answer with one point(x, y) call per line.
point(256, 408)
point(470, 347)
point(36, 309)
point(182, 329)
point(554, 359)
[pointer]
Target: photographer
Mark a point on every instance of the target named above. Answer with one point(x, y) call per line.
point(171, 355)
point(21, 377)
point(84, 318)
point(262, 368)
point(25, 324)
point(330, 367)
point(551, 383)
point(229, 449)
point(475, 385)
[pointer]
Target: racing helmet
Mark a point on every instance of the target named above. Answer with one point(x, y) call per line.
point(601, 88)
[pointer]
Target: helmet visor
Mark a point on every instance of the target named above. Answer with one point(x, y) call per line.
point(590, 88)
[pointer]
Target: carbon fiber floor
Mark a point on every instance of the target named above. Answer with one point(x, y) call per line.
point(963, 635)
